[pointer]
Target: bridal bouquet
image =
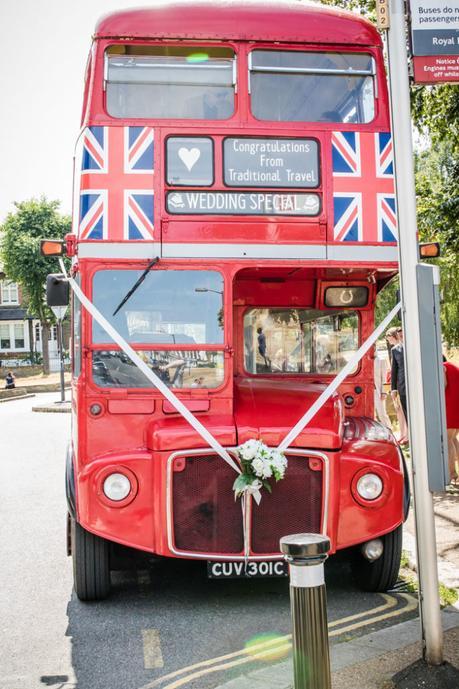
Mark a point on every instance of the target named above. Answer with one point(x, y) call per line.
point(258, 463)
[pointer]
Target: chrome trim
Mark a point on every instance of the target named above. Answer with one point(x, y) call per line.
point(105, 71)
point(271, 251)
point(232, 450)
point(314, 70)
point(104, 249)
point(375, 81)
point(362, 253)
point(145, 249)
point(182, 65)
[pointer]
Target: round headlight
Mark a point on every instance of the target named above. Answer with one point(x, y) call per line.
point(369, 486)
point(117, 487)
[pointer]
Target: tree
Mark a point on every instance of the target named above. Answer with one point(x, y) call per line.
point(435, 111)
point(21, 232)
point(438, 220)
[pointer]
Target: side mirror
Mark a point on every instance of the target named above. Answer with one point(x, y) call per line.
point(57, 290)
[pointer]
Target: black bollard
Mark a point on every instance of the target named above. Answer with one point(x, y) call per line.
point(306, 554)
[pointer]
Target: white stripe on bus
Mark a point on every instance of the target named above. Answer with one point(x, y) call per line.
point(142, 250)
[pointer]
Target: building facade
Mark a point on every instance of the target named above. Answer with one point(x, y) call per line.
point(20, 334)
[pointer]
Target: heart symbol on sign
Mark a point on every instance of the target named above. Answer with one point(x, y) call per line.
point(189, 156)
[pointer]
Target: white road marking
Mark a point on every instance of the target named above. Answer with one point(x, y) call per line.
point(282, 643)
point(152, 655)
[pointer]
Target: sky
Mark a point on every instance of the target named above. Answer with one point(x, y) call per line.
point(45, 47)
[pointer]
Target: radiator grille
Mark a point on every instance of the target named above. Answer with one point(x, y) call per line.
point(207, 519)
point(295, 506)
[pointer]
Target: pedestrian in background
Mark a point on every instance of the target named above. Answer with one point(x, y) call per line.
point(394, 337)
point(262, 346)
point(452, 416)
point(10, 381)
point(381, 367)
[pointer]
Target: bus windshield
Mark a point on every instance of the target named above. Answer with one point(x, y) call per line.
point(169, 307)
point(170, 82)
point(293, 86)
point(284, 340)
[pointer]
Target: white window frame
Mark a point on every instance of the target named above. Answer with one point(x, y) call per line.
point(11, 326)
point(10, 292)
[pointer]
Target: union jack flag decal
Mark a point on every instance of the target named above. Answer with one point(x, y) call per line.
point(116, 198)
point(363, 187)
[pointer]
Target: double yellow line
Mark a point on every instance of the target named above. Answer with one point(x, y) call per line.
point(282, 644)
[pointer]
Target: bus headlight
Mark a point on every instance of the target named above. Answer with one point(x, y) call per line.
point(369, 486)
point(116, 487)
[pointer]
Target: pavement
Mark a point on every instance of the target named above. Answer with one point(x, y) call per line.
point(391, 658)
point(369, 662)
point(26, 386)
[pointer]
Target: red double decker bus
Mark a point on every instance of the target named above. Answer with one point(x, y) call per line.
point(234, 222)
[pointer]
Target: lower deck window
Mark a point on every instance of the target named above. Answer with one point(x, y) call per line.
point(177, 369)
point(292, 341)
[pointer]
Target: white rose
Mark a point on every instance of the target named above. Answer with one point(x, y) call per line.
point(278, 460)
point(280, 472)
point(249, 449)
point(267, 470)
point(258, 467)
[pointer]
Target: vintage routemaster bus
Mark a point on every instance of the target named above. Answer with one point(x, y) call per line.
point(234, 222)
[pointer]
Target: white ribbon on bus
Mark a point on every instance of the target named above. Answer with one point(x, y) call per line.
point(192, 420)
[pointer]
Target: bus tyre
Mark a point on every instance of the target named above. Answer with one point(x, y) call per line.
point(91, 564)
point(381, 574)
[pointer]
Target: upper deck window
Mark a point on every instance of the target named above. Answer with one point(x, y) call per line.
point(312, 87)
point(170, 82)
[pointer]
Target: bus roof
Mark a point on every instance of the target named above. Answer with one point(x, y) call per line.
point(299, 22)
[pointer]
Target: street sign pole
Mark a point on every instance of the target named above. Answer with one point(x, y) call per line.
point(429, 604)
point(60, 341)
point(59, 312)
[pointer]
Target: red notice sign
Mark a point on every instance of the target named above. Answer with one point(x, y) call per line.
point(434, 69)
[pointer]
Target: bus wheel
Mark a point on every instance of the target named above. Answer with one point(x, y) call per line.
point(91, 564)
point(381, 574)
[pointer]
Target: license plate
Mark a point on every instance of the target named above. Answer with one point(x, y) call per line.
point(240, 570)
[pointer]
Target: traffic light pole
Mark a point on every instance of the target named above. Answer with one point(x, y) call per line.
point(429, 604)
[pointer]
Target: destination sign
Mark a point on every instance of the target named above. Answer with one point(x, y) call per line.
point(271, 162)
point(241, 203)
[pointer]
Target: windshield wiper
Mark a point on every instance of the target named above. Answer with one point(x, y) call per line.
point(137, 284)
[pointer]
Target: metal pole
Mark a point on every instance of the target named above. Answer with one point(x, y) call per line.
point(60, 345)
point(306, 554)
point(429, 604)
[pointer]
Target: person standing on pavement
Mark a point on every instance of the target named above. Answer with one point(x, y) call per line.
point(452, 416)
point(398, 385)
point(381, 368)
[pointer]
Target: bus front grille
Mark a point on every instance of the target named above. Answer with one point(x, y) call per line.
point(207, 519)
point(294, 506)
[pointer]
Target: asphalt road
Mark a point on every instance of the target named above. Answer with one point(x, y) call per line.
point(165, 625)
